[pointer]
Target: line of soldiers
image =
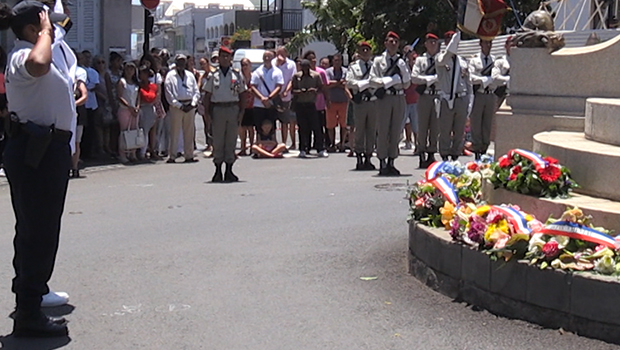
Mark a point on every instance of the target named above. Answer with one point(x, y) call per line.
point(450, 88)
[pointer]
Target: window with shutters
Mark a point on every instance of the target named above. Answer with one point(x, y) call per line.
point(85, 34)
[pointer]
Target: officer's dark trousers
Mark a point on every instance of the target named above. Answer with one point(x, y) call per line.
point(38, 198)
point(308, 122)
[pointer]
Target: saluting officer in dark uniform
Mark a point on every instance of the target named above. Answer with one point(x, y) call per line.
point(37, 160)
point(224, 92)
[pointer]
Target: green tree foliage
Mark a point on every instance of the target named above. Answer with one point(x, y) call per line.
point(346, 22)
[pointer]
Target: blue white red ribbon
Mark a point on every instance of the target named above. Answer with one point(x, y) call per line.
point(434, 170)
point(515, 217)
point(576, 231)
point(445, 187)
point(535, 158)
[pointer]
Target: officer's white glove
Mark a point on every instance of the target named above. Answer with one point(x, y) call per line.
point(388, 82)
point(363, 84)
point(430, 80)
point(486, 81)
point(453, 46)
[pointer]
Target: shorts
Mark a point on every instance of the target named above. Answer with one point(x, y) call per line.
point(336, 115)
point(285, 116)
point(248, 117)
point(411, 116)
point(79, 131)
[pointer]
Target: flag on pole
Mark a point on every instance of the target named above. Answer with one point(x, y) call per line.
point(481, 18)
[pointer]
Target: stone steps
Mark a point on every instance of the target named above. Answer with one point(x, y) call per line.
point(602, 122)
point(594, 165)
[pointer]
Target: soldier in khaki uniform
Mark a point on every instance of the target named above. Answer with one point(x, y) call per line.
point(391, 76)
point(224, 92)
point(453, 81)
point(485, 100)
point(364, 108)
point(424, 73)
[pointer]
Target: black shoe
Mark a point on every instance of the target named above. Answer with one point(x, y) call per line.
point(191, 160)
point(454, 158)
point(368, 164)
point(217, 177)
point(391, 168)
point(444, 158)
point(38, 326)
point(477, 156)
point(422, 162)
point(383, 168)
point(430, 159)
point(229, 176)
point(360, 163)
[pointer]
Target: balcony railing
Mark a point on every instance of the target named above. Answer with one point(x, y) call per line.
point(280, 23)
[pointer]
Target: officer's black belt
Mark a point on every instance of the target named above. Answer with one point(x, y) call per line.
point(225, 104)
point(62, 136)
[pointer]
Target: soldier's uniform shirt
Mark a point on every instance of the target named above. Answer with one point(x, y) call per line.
point(452, 120)
point(364, 113)
point(392, 106)
point(225, 90)
point(428, 124)
point(485, 101)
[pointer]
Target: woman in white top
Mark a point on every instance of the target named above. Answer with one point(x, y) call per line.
point(128, 109)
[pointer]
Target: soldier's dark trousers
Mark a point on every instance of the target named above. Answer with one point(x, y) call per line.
point(308, 122)
point(38, 198)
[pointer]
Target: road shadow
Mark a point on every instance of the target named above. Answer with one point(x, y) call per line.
point(8, 342)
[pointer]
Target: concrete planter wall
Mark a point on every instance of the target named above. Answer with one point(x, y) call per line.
point(581, 303)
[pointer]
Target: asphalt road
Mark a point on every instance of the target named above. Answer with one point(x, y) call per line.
point(155, 257)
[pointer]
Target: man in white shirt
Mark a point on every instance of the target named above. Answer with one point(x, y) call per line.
point(266, 84)
point(182, 94)
point(285, 116)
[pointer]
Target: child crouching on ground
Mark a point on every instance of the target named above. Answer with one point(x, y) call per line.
point(266, 146)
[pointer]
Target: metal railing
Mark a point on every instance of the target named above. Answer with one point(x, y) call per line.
point(280, 23)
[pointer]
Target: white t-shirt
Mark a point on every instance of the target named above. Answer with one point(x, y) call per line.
point(44, 100)
point(81, 75)
point(288, 69)
point(130, 93)
point(272, 77)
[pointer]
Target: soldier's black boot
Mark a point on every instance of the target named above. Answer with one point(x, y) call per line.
point(217, 177)
point(367, 164)
point(229, 176)
point(383, 169)
point(454, 158)
point(444, 158)
point(430, 159)
point(477, 155)
point(360, 162)
point(391, 168)
point(422, 163)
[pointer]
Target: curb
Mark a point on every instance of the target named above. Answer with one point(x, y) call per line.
point(582, 303)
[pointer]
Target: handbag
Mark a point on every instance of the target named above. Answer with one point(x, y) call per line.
point(133, 138)
point(276, 101)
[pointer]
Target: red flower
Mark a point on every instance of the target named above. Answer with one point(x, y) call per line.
point(504, 162)
point(516, 170)
point(550, 173)
point(512, 177)
point(550, 160)
point(550, 249)
point(472, 166)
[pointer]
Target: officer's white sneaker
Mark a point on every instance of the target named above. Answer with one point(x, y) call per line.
point(53, 299)
point(323, 154)
point(302, 154)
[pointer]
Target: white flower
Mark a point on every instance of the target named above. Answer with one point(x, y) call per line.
point(605, 265)
point(536, 242)
point(562, 241)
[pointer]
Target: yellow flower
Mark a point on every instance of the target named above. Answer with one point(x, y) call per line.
point(529, 217)
point(490, 230)
point(447, 214)
point(483, 210)
point(503, 226)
